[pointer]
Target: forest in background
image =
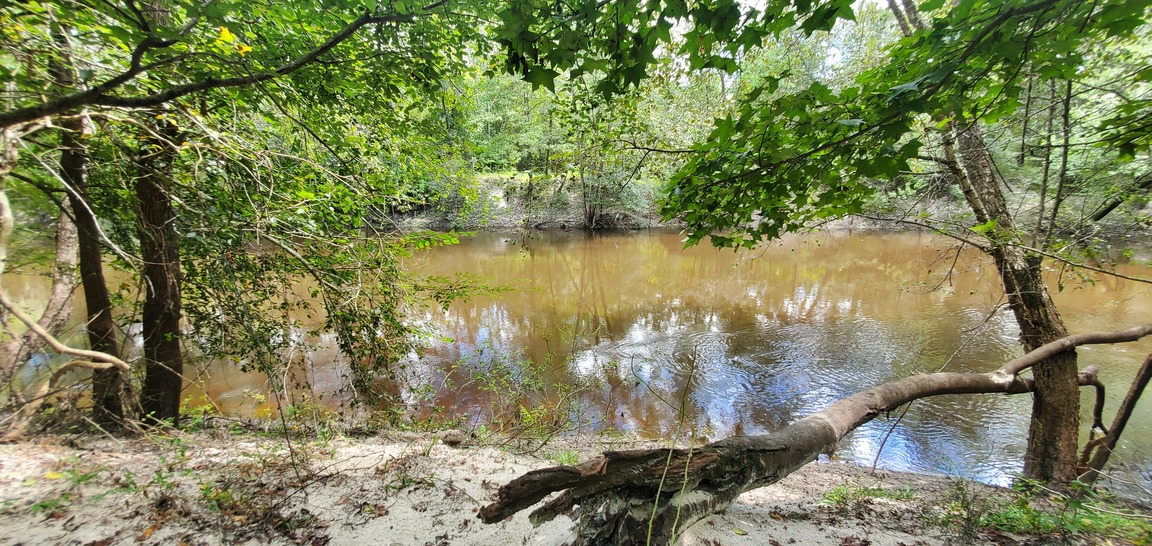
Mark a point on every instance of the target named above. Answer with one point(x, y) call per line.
point(219, 151)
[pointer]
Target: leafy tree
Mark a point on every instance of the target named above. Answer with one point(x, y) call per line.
point(157, 57)
point(784, 159)
point(780, 164)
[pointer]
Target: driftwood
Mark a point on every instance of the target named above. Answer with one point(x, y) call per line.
point(651, 496)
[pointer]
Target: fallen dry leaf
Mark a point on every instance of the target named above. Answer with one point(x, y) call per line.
point(147, 532)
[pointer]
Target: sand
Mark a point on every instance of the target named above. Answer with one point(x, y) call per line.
point(406, 489)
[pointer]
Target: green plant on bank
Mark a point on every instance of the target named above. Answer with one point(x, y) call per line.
point(220, 496)
point(307, 411)
point(1079, 511)
point(75, 474)
point(567, 457)
point(53, 504)
point(195, 415)
point(849, 497)
point(523, 402)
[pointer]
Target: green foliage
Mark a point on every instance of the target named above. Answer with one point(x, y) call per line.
point(521, 402)
point(782, 160)
point(1082, 511)
point(566, 457)
point(847, 495)
point(621, 39)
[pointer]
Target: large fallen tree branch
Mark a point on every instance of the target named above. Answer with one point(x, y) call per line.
point(650, 496)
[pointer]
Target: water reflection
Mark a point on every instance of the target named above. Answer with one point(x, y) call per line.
point(751, 341)
point(745, 343)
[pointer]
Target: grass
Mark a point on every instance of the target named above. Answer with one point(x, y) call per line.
point(849, 497)
point(1079, 512)
point(566, 457)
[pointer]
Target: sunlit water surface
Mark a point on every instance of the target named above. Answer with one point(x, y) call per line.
point(742, 343)
point(751, 341)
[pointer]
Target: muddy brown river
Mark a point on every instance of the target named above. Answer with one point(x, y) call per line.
point(703, 343)
point(753, 340)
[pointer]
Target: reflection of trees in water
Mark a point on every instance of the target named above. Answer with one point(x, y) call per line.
point(751, 342)
point(614, 295)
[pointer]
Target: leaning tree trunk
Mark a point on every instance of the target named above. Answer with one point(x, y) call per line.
point(1095, 461)
point(1054, 429)
point(652, 496)
point(156, 224)
point(1055, 425)
point(58, 308)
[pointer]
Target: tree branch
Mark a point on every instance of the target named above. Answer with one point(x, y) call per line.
point(98, 94)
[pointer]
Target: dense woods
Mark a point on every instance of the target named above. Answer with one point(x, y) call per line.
point(219, 151)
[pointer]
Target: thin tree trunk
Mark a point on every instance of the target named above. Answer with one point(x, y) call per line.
point(948, 142)
point(1110, 205)
point(1038, 235)
point(913, 14)
point(1024, 130)
point(156, 225)
point(108, 385)
point(1062, 177)
point(900, 19)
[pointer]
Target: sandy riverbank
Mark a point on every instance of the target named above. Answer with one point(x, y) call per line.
point(410, 489)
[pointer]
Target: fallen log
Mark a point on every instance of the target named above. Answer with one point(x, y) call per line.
point(651, 496)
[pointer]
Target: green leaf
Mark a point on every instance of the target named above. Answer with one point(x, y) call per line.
point(931, 5)
point(9, 64)
point(910, 87)
point(984, 228)
point(539, 76)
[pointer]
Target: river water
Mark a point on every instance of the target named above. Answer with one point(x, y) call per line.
point(750, 341)
point(645, 336)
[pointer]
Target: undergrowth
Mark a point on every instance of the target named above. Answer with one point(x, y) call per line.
point(1032, 510)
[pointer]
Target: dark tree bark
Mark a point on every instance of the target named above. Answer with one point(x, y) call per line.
point(651, 496)
point(1045, 174)
point(1111, 204)
point(159, 249)
point(1062, 177)
point(905, 29)
point(108, 385)
point(1104, 448)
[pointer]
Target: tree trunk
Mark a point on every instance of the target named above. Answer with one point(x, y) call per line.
point(1123, 414)
point(1110, 205)
point(905, 29)
point(156, 224)
point(1052, 437)
point(1062, 177)
point(1054, 430)
point(651, 496)
point(107, 385)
